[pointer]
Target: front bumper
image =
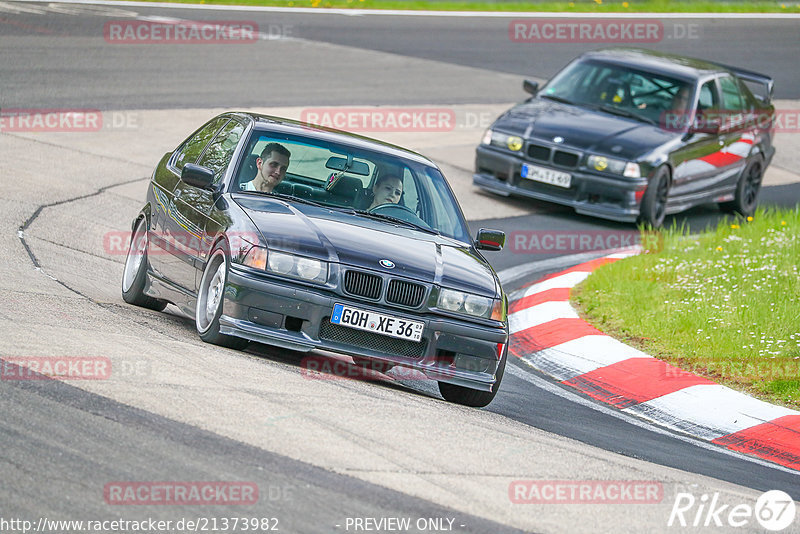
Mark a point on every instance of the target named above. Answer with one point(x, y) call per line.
point(589, 194)
point(297, 317)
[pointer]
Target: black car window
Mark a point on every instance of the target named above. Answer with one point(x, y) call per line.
point(708, 97)
point(191, 149)
point(731, 97)
point(218, 154)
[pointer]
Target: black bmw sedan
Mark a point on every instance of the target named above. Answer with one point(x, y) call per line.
point(634, 135)
point(269, 230)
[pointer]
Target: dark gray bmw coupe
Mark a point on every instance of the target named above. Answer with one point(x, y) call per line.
point(269, 230)
point(635, 135)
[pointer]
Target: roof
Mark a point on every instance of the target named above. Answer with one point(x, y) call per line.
point(649, 60)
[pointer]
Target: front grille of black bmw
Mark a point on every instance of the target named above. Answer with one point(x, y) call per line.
point(542, 153)
point(371, 341)
point(405, 293)
point(361, 284)
point(562, 158)
point(565, 159)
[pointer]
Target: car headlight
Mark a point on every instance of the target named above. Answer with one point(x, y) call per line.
point(509, 142)
point(469, 304)
point(614, 166)
point(287, 264)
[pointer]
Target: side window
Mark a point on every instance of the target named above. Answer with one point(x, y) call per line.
point(708, 97)
point(219, 152)
point(193, 147)
point(731, 98)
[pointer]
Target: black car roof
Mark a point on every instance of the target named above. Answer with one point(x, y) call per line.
point(658, 62)
point(269, 123)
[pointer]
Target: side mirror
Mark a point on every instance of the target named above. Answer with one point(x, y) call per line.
point(530, 87)
point(197, 175)
point(490, 239)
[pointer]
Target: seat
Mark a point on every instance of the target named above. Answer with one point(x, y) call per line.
point(249, 170)
point(345, 191)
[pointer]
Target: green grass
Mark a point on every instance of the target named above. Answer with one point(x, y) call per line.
point(580, 6)
point(724, 304)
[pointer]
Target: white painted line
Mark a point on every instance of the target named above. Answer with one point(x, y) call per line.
point(584, 355)
point(567, 280)
point(454, 14)
point(709, 411)
point(540, 314)
point(564, 393)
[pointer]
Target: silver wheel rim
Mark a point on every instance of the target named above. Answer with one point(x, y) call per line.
point(212, 289)
point(133, 261)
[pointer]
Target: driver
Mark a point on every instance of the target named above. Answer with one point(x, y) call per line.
point(271, 167)
point(387, 190)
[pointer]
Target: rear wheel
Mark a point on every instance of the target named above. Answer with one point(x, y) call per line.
point(134, 277)
point(653, 209)
point(209, 303)
point(472, 397)
point(747, 189)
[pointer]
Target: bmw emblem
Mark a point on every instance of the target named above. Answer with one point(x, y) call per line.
point(387, 263)
point(558, 139)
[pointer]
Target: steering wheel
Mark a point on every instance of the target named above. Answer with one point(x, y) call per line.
point(399, 211)
point(388, 207)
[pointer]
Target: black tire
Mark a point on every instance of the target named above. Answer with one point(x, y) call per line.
point(134, 275)
point(747, 188)
point(208, 312)
point(653, 209)
point(472, 397)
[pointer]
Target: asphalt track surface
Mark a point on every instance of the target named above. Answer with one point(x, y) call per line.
point(319, 452)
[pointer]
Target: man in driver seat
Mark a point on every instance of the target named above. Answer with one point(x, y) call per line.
point(387, 190)
point(271, 168)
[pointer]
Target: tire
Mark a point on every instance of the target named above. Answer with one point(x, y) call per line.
point(210, 298)
point(747, 188)
point(134, 276)
point(653, 209)
point(473, 397)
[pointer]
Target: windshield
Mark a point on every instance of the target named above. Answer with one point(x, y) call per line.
point(621, 91)
point(370, 184)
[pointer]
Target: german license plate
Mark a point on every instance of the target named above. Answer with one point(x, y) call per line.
point(379, 323)
point(547, 176)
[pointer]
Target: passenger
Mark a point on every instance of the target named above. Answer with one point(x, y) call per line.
point(387, 190)
point(271, 167)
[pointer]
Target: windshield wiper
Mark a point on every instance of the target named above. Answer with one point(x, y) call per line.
point(363, 213)
point(284, 196)
point(625, 113)
point(559, 99)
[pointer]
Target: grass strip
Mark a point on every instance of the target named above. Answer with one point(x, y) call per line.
point(724, 304)
point(581, 6)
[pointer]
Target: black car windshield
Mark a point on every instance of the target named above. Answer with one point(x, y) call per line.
point(621, 91)
point(392, 188)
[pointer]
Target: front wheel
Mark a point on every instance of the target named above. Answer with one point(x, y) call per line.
point(473, 397)
point(209, 303)
point(747, 188)
point(134, 276)
point(653, 209)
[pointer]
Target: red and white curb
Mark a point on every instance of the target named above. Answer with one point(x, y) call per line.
point(547, 334)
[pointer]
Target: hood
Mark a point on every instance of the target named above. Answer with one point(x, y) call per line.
point(361, 242)
point(582, 128)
